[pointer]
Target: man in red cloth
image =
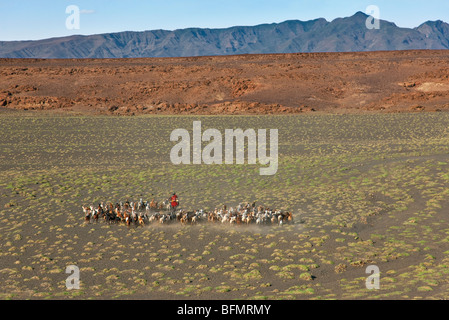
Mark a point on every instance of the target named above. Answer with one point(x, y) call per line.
point(174, 201)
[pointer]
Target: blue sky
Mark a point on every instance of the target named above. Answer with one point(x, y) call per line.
point(32, 19)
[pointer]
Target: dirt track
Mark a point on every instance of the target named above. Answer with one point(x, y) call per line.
point(400, 81)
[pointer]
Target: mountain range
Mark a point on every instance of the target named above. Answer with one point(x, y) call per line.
point(348, 34)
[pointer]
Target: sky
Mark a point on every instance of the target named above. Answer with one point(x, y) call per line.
point(40, 19)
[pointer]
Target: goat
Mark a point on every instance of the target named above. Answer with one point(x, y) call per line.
point(87, 214)
point(225, 218)
point(289, 217)
point(140, 214)
point(95, 215)
point(152, 219)
point(141, 220)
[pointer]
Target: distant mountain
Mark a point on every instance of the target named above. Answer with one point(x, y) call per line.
point(340, 35)
point(436, 33)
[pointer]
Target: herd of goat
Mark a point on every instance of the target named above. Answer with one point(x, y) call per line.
point(142, 213)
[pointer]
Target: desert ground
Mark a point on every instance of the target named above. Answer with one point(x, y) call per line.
point(367, 182)
point(401, 81)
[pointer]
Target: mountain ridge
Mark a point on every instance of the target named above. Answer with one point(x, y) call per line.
point(348, 34)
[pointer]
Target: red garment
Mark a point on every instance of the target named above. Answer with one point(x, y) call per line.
point(174, 201)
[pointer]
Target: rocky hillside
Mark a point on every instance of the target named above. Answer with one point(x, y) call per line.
point(340, 35)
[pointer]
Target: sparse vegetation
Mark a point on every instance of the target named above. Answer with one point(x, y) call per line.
point(364, 189)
